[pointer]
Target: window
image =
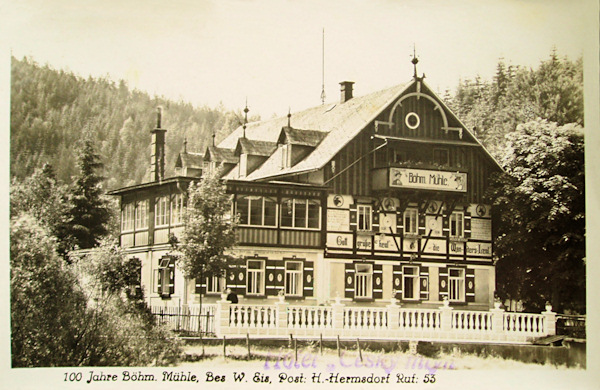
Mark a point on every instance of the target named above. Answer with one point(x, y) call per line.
point(166, 277)
point(410, 279)
point(215, 284)
point(161, 211)
point(411, 224)
point(364, 217)
point(441, 156)
point(457, 225)
point(293, 278)
point(255, 277)
point(456, 284)
point(301, 213)
point(363, 281)
point(177, 207)
point(141, 215)
point(257, 210)
point(127, 217)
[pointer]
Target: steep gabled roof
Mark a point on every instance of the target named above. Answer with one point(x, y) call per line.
point(301, 137)
point(220, 155)
point(341, 121)
point(254, 147)
point(189, 160)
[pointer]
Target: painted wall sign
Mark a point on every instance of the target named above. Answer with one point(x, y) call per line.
point(435, 246)
point(339, 201)
point(481, 229)
point(456, 248)
point(338, 220)
point(434, 225)
point(387, 221)
point(428, 180)
point(341, 240)
point(385, 243)
point(480, 210)
point(363, 243)
point(479, 248)
point(410, 245)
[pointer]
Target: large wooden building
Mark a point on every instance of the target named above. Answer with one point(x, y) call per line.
point(364, 199)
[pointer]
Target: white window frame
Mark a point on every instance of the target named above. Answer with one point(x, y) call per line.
point(363, 281)
point(249, 198)
point(257, 274)
point(414, 221)
point(177, 209)
point(161, 211)
point(457, 224)
point(306, 202)
point(415, 280)
point(456, 285)
point(364, 224)
point(218, 281)
point(141, 215)
point(294, 278)
point(165, 275)
point(128, 217)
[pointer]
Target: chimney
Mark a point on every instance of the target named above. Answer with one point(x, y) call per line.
point(346, 91)
point(157, 154)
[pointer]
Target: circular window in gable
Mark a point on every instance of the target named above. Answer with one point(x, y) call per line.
point(412, 120)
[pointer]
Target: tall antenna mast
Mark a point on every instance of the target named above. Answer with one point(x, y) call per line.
point(323, 70)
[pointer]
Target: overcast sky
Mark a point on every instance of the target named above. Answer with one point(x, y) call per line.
point(270, 52)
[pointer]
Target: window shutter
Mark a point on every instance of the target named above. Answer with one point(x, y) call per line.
point(271, 277)
point(349, 279)
point(470, 285)
point(308, 282)
point(279, 274)
point(467, 221)
point(421, 227)
point(375, 218)
point(397, 280)
point(443, 276)
point(353, 217)
point(424, 283)
point(236, 280)
point(377, 281)
point(171, 276)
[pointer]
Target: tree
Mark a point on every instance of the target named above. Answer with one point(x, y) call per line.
point(208, 229)
point(89, 214)
point(539, 217)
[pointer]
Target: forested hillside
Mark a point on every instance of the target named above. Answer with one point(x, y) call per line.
point(517, 95)
point(51, 110)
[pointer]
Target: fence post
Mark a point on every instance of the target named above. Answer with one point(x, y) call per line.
point(393, 313)
point(221, 316)
point(282, 315)
point(337, 310)
point(549, 321)
point(446, 318)
point(498, 320)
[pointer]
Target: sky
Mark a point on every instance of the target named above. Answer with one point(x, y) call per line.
point(271, 52)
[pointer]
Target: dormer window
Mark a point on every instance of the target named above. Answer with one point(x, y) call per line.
point(285, 155)
point(243, 165)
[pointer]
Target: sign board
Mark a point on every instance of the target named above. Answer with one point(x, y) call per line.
point(481, 229)
point(434, 225)
point(385, 243)
point(479, 249)
point(425, 179)
point(456, 247)
point(387, 221)
point(338, 220)
point(435, 246)
point(364, 243)
point(339, 240)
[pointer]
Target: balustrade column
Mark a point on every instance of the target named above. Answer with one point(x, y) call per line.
point(337, 311)
point(549, 321)
point(221, 316)
point(393, 312)
point(497, 319)
point(282, 315)
point(446, 316)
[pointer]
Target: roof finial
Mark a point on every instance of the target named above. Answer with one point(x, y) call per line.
point(245, 118)
point(184, 144)
point(415, 61)
point(289, 116)
point(213, 138)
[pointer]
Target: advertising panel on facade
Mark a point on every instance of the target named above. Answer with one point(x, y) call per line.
point(339, 240)
point(425, 179)
point(338, 220)
point(481, 229)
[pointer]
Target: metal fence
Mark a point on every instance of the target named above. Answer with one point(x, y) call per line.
point(570, 325)
point(187, 318)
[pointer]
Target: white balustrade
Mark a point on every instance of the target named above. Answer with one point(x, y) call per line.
point(252, 316)
point(472, 321)
point(365, 318)
point(532, 324)
point(309, 317)
point(419, 319)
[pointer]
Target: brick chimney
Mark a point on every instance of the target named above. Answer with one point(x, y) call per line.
point(346, 89)
point(157, 153)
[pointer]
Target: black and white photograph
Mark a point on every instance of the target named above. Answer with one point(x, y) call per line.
point(300, 194)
